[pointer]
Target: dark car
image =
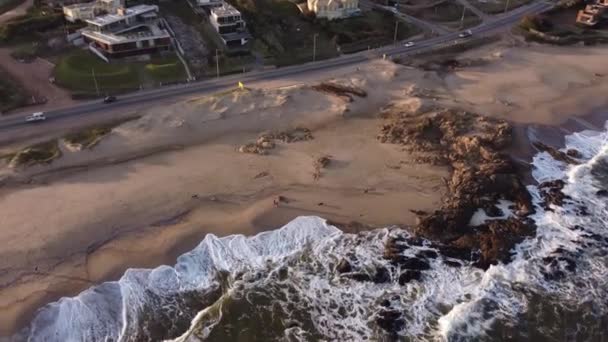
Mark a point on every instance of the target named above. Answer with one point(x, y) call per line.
point(109, 99)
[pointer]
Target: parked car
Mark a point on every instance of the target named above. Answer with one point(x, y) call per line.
point(465, 34)
point(409, 44)
point(109, 99)
point(35, 117)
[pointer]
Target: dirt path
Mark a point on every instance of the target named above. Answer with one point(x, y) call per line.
point(15, 12)
point(34, 77)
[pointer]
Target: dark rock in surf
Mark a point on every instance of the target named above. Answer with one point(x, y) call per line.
point(382, 275)
point(343, 266)
point(574, 153)
point(390, 320)
point(452, 263)
point(408, 276)
point(427, 253)
point(555, 153)
point(410, 263)
point(361, 277)
point(552, 194)
point(602, 193)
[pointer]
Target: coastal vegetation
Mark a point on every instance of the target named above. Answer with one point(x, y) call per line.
point(284, 36)
point(7, 5)
point(498, 6)
point(12, 95)
point(88, 137)
point(32, 26)
point(558, 27)
point(44, 152)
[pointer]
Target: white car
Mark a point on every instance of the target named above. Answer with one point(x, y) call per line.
point(35, 117)
point(465, 34)
point(409, 44)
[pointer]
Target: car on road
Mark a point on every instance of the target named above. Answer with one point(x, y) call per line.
point(409, 44)
point(465, 34)
point(35, 117)
point(109, 99)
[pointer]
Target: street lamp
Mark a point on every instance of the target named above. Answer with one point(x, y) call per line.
point(314, 47)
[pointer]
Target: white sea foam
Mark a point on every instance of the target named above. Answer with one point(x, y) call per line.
point(111, 311)
point(448, 303)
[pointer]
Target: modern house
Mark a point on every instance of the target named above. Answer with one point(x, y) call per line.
point(591, 15)
point(209, 3)
point(230, 25)
point(334, 9)
point(89, 10)
point(131, 31)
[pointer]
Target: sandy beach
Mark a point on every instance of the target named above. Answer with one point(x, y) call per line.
point(154, 187)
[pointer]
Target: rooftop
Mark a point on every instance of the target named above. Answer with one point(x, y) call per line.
point(129, 12)
point(225, 10)
point(140, 32)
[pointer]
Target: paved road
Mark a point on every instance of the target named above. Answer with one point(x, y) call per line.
point(498, 24)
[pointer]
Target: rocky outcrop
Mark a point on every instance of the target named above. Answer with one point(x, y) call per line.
point(567, 157)
point(471, 146)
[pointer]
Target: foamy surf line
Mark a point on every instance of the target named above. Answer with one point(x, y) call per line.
point(309, 281)
point(112, 311)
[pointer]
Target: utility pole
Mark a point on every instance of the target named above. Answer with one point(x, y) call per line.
point(506, 6)
point(95, 80)
point(314, 47)
point(395, 35)
point(464, 9)
point(217, 63)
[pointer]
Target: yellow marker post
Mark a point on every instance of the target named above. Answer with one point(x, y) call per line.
point(241, 86)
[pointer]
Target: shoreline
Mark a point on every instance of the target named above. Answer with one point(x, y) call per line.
point(235, 191)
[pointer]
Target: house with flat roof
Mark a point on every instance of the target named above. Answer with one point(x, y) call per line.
point(230, 25)
point(334, 9)
point(209, 3)
point(130, 31)
point(89, 10)
point(591, 15)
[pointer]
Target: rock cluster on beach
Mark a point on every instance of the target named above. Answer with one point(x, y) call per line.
point(267, 141)
point(471, 145)
point(345, 92)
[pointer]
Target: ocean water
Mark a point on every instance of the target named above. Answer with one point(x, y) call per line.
point(283, 285)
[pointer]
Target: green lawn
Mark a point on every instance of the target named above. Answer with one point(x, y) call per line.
point(75, 72)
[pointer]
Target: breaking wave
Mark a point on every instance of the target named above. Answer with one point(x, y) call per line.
point(308, 281)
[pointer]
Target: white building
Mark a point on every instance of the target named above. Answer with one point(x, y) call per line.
point(334, 9)
point(229, 24)
point(209, 3)
point(131, 31)
point(89, 10)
